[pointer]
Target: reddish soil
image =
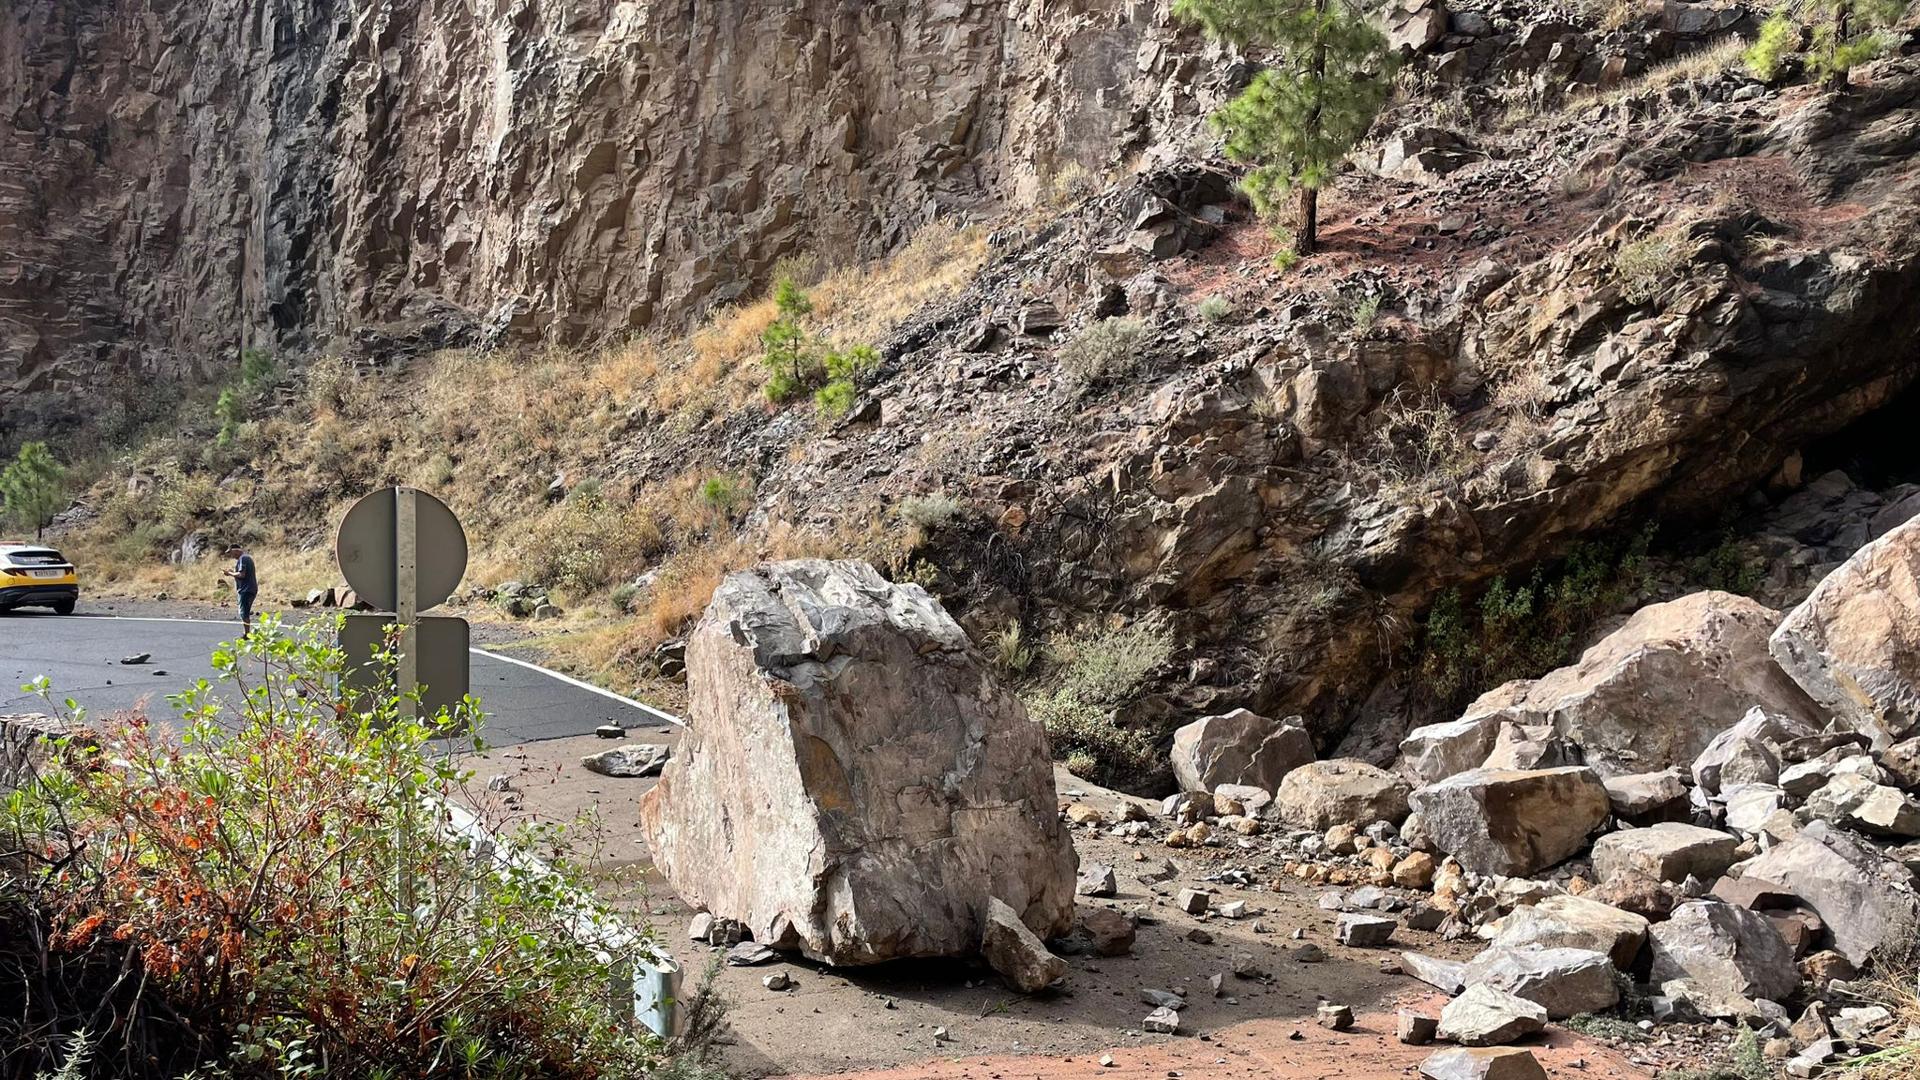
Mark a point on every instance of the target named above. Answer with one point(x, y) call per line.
point(1261, 1048)
point(881, 1021)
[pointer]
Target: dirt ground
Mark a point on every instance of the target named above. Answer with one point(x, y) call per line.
point(885, 1020)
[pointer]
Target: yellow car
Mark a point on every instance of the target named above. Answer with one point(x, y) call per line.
point(37, 576)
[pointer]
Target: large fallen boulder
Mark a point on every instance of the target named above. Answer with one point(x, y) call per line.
point(1323, 794)
point(1725, 951)
point(1239, 747)
point(1655, 692)
point(855, 784)
point(1576, 922)
point(1669, 851)
point(1854, 642)
point(1512, 822)
point(1866, 899)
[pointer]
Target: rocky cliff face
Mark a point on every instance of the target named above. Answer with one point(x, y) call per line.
point(179, 181)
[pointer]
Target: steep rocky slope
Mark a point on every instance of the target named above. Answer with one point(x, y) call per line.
point(1586, 275)
point(179, 181)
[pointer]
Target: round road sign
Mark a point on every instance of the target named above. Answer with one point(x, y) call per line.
point(368, 549)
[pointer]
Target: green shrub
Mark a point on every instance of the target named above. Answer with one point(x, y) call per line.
point(1097, 674)
point(843, 370)
point(1727, 567)
point(1779, 38)
point(255, 875)
point(258, 370)
point(835, 398)
point(623, 595)
point(929, 511)
point(1214, 309)
point(789, 353)
point(1109, 349)
point(724, 493)
point(587, 542)
point(1364, 313)
point(1523, 631)
point(33, 487)
point(1748, 1062)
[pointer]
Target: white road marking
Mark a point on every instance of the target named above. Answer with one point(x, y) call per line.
point(489, 653)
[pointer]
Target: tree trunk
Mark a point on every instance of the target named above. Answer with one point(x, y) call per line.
point(1307, 240)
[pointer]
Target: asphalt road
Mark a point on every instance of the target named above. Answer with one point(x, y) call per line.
point(82, 654)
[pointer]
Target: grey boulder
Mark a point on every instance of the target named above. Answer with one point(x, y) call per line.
point(855, 783)
point(1854, 642)
point(1669, 851)
point(1575, 922)
point(1655, 692)
point(1239, 747)
point(1749, 751)
point(1016, 952)
point(1725, 951)
point(1866, 899)
point(1512, 822)
point(1323, 794)
point(1853, 800)
point(1482, 1063)
point(1565, 982)
point(1484, 1016)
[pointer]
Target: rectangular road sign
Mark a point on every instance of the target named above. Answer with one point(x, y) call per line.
point(442, 661)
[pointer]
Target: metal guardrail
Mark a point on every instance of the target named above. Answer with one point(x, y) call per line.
point(647, 975)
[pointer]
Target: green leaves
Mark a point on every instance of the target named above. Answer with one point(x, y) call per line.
point(797, 360)
point(33, 487)
point(1297, 119)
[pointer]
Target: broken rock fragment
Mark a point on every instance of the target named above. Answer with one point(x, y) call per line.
point(1323, 794)
point(1854, 643)
point(1575, 922)
point(1669, 851)
point(628, 760)
point(1016, 952)
point(1724, 951)
point(1565, 982)
point(1483, 1063)
point(1484, 1016)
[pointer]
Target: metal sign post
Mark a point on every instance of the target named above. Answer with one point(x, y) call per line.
point(404, 551)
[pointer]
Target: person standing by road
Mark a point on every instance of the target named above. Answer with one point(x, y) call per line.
point(246, 583)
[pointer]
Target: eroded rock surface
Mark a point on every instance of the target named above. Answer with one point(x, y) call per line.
point(1854, 644)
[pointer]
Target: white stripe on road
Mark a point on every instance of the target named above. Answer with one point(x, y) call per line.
point(489, 653)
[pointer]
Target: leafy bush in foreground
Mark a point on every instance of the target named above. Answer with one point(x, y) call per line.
point(249, 869)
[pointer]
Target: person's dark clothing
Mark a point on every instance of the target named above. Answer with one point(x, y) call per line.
point(246, 583)
point(245, 579)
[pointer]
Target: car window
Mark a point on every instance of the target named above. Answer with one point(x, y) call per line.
point(37, 557)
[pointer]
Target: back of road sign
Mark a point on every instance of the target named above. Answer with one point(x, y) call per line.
point(368, 550)
point(441, 656)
